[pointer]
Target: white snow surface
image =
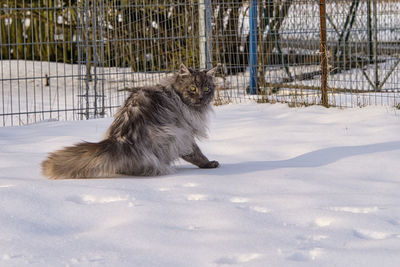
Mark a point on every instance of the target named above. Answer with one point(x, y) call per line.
point(296, 187)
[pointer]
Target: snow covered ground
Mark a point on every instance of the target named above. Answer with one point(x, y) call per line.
point(296, 187)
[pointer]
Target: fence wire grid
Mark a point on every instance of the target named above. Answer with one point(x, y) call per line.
point(70, 59)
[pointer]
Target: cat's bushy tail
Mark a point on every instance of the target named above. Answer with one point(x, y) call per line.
point(85, 160)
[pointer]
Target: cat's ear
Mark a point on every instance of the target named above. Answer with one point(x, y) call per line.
point(212, 71)
point(183, 70)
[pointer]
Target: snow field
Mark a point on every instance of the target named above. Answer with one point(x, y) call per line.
point(296, 187)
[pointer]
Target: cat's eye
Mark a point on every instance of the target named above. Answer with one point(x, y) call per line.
point(206, 89)
point(193, 88)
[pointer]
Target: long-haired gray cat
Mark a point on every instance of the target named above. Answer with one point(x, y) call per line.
point(156, 125)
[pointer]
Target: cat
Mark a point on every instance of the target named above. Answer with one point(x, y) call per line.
point(155, 126)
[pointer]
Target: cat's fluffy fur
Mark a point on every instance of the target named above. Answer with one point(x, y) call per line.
point(154, 127)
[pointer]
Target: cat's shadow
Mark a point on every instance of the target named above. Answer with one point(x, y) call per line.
point(316, 158)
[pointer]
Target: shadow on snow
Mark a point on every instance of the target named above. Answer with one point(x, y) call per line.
point(316, 158)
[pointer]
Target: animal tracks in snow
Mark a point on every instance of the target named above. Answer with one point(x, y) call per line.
point(191, 192)
point(186, 185)
point(239, 200)
point(260, 209)
point(10, 259)
point(190, 185)
point(361, 233)
point(243, 200)
point(91, 199)
point(6, 185)
point(238, 259)
point(308, 248)
point(361, 210)
point(196, 197)
point(364, 233)
point(164, 189)
point(323, 221)
point(305, 255)
point(373, 235)
point(352, 221)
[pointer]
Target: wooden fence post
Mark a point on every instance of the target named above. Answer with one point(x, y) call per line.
point(324, 60)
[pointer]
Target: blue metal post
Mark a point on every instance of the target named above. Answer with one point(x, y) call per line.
point(253, 48)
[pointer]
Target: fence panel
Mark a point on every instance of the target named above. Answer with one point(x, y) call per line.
point(66, 60)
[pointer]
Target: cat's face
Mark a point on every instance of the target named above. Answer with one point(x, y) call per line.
point(196, 88)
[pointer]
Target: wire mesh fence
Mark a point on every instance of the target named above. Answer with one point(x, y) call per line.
point(65, 59)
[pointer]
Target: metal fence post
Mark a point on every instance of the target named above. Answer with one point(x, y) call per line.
point(324, 61)
point(87, 57)
point(369, 29)
point(202, 35)
point(253, 48)
point(375, 45)
point(205, 34)
point(208, 18)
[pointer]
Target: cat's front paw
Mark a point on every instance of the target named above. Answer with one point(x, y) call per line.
point(210, 165)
